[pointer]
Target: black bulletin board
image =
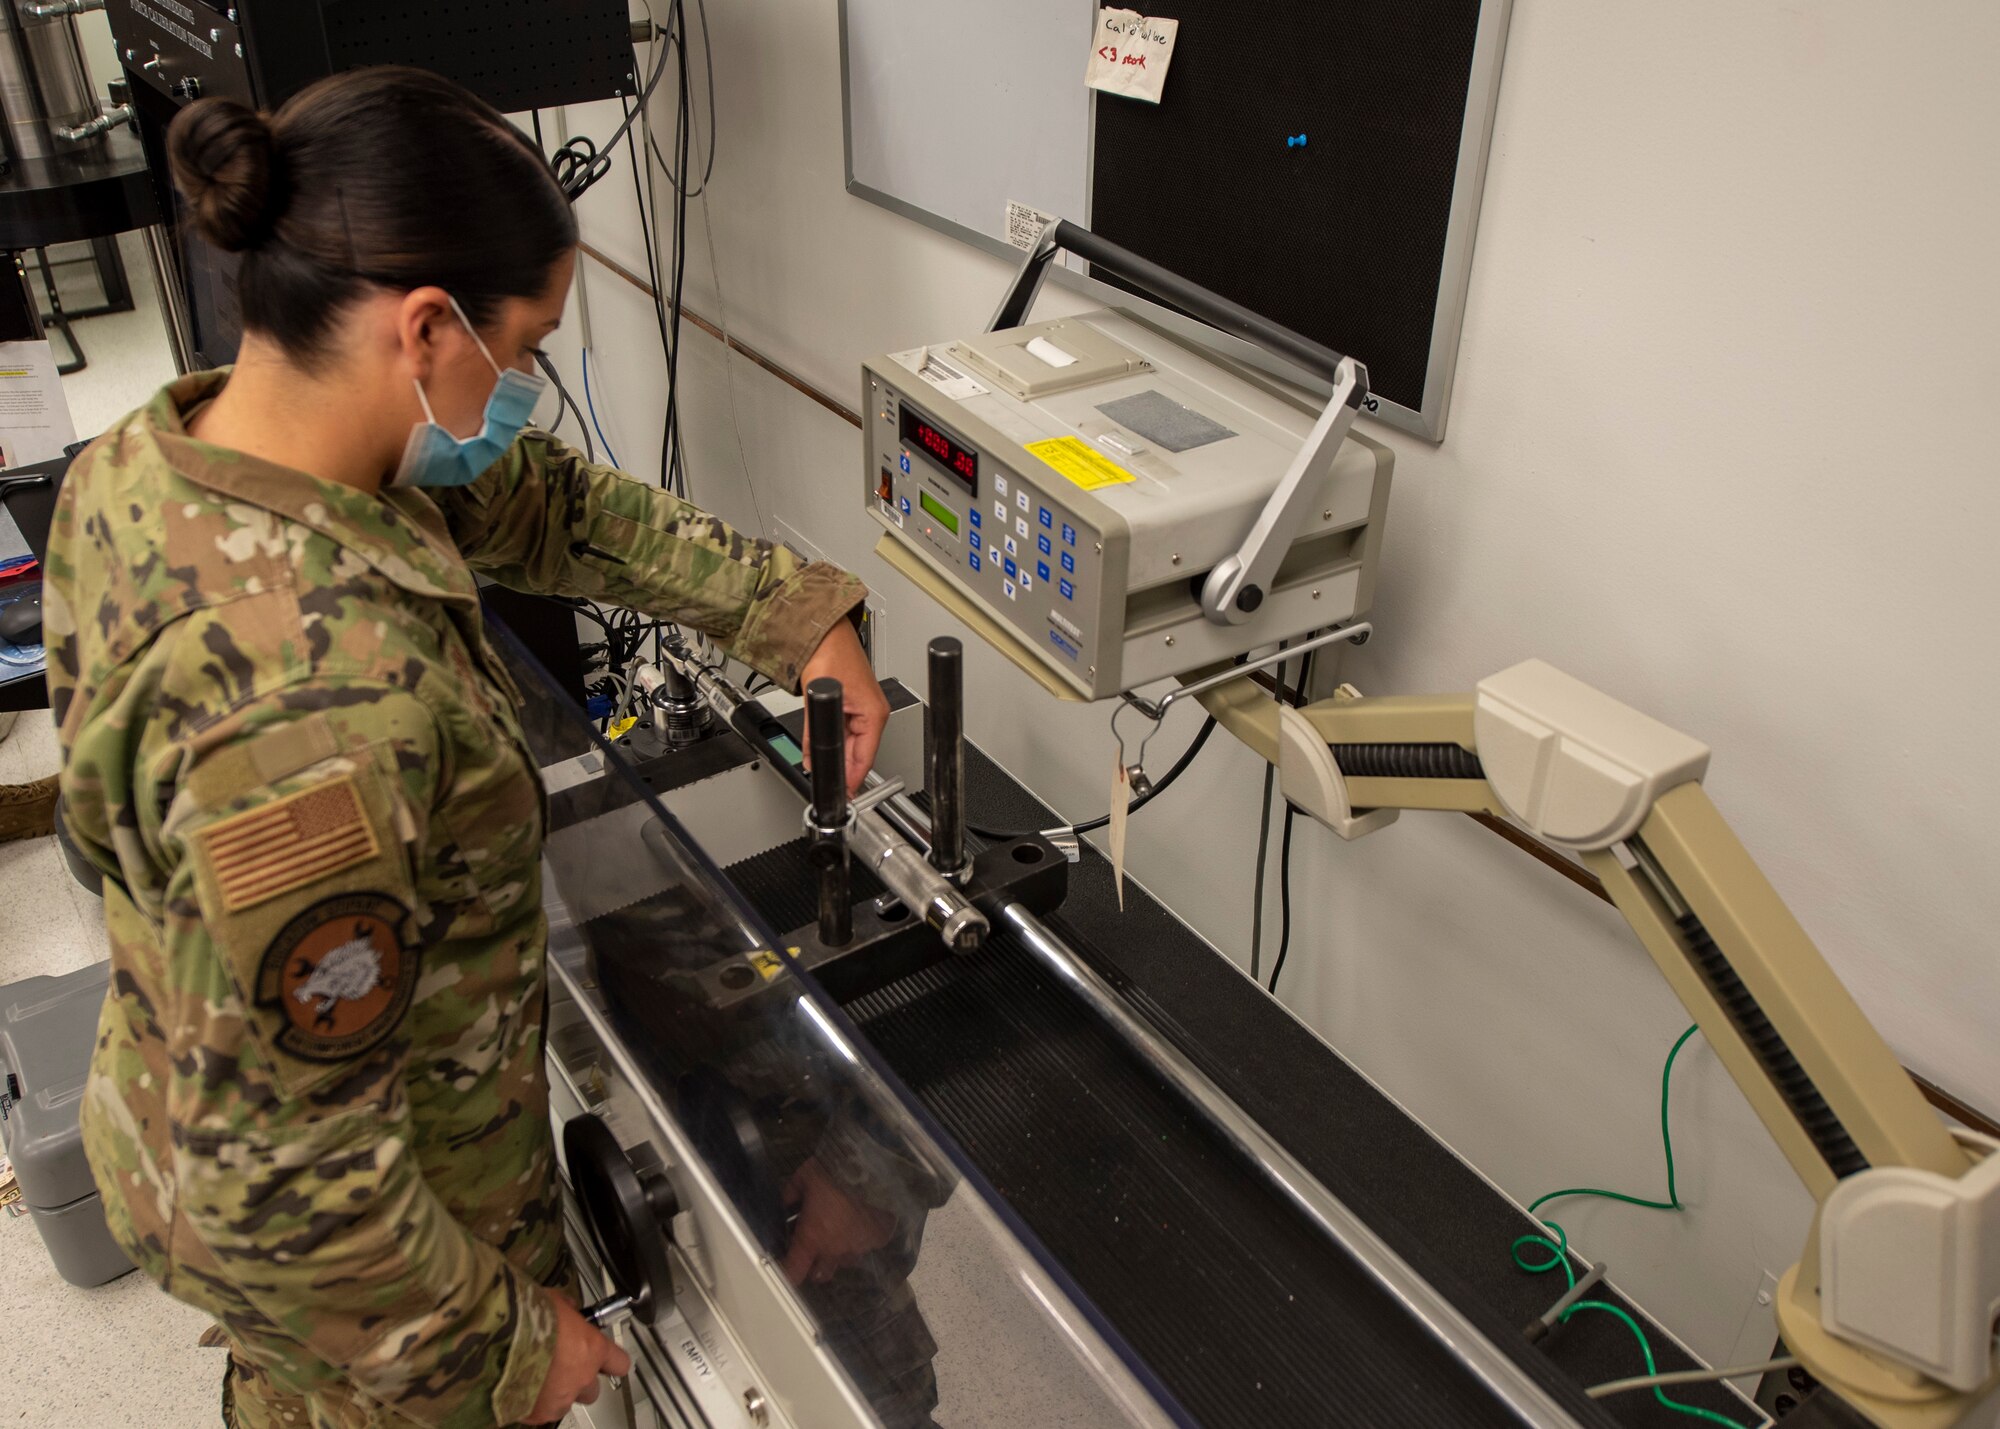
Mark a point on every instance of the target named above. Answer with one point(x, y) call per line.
point(1343, 237)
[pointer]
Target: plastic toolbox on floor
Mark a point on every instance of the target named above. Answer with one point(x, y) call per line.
point(48, 1026)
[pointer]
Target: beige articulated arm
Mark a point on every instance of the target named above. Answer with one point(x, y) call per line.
point(1624, 793)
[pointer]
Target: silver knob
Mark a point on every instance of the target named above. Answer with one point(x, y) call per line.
point(608, 1312)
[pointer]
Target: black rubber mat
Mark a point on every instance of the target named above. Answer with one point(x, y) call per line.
point(1246, 1314)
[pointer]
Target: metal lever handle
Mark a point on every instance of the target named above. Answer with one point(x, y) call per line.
point(1198, 302)
point(1236, 588)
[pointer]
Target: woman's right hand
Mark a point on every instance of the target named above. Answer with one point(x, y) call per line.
point(582, 1354)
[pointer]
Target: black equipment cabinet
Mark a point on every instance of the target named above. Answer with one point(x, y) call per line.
point(515, 54)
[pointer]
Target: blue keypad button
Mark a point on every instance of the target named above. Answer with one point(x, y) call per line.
point(1042, 569)
point(1068, 590)
point(1047, 520)
point(1012, 569)
point(1069, 535)
point(905, 462)
point(906, 505)
point(974, 558)
point(974, 514)
point(1069, 561)
point(1008, 586)
point(1043, 543)
point(974, 537)
point(1027, 581)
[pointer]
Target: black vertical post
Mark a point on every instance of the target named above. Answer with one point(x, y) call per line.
point(944, 754)
point(826, 738)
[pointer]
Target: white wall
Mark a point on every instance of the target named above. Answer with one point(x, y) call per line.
point(1721, 446)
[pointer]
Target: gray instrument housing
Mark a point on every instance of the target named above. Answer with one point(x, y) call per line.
point(1133, 613)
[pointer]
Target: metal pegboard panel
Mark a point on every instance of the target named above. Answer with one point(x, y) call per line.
point(515, 54)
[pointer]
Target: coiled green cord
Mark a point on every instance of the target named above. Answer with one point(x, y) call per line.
point(1558, 1248)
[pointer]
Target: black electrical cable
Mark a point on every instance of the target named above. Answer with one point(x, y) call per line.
point(708, 64)
point(667, 295)
point(1093, 825)
point(669, 331)
point(1284, 897)
point(1263, 856)
point(581, 162)
point(549, 368)
point(684, 136)
point(1285, 844)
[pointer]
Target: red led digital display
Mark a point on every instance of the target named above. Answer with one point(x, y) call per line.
point(961, 461)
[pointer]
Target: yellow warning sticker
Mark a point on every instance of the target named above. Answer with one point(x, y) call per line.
point(767, 964)
point(1081, 463)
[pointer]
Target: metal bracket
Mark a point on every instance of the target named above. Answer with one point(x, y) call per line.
point(1236, 588)
point(1028, 279)
point(1157, 710)
point(875, 793)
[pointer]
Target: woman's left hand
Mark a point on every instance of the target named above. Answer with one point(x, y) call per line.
point(840, 657)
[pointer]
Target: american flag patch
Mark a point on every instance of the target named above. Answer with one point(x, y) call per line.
point(270, 850)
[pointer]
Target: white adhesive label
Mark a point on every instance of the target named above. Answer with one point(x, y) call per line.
point(1129, 54)
point(934, 369)
point(1025, 225)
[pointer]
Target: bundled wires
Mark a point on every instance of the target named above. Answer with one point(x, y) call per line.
point(581, 161)
point(612, 661)
point(670, 285)
point(578, 164)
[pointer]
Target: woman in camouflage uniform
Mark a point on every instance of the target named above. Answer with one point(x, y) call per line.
point(317, 1108)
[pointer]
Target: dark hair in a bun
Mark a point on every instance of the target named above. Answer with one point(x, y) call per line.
point(226, 166)
point(378, 178)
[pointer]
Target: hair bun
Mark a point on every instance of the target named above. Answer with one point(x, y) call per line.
point(225, 162)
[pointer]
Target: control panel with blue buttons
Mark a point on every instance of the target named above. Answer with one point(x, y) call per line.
point(997, 532)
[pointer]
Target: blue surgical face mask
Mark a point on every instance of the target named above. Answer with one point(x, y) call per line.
point(434, 457)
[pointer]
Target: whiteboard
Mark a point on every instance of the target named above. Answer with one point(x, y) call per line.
point(956, 107)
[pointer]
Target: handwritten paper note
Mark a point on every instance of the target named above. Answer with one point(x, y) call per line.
point(1130, 53)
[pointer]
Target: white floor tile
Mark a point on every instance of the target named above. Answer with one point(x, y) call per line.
point(117, 1355)
point(128, 352)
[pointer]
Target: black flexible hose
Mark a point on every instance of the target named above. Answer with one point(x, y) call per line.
point(1407, 761)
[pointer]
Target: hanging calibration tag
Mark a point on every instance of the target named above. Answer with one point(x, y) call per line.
point(1121, 803)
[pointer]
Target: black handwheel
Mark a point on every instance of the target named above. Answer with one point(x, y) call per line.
point(629, 1215)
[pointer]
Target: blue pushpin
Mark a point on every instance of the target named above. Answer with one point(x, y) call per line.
point(1297, 141)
